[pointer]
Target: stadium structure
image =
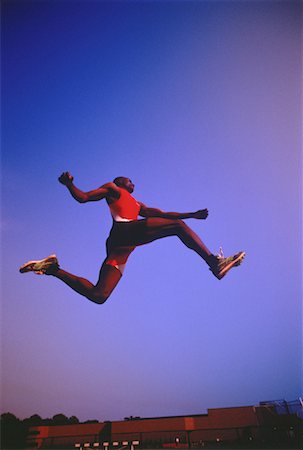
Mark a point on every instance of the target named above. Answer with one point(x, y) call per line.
point(275, 423)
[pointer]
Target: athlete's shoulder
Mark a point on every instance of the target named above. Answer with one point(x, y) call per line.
point(112, 190)
point(110, 185)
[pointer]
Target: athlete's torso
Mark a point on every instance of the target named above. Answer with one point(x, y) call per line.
point(125, 208)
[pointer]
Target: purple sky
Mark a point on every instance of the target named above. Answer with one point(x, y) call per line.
point(199, 103)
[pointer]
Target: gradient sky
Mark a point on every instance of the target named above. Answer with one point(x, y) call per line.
point(199, 103)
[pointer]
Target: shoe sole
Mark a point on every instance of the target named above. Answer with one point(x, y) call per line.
point(37, 266)
point(235, 263)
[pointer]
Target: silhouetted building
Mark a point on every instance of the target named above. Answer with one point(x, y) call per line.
point(245, 425)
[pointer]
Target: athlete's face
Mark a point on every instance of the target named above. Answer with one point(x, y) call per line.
point(129, 185)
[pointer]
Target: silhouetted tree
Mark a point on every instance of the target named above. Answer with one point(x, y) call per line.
point(47, 422)
point(33, 421)
point(13, 432)
point(73, 420)
point(60, 419)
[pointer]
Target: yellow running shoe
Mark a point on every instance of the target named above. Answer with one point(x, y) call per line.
point(40, 266)
point(223, 265)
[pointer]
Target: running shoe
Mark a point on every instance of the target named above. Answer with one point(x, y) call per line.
point(40, 266)
point(223, 264)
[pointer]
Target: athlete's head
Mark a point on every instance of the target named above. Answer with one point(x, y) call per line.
point(125, 183)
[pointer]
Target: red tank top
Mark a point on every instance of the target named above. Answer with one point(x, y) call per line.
point(125, 208)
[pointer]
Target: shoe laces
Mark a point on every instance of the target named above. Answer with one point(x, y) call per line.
point(221, 254)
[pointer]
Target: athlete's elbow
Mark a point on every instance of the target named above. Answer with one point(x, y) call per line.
point(155, 213)
point(144, 213)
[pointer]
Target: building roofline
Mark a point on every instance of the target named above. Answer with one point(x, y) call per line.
point(182, 416)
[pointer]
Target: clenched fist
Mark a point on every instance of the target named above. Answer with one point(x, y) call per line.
point(201, 214)
point(66, 178)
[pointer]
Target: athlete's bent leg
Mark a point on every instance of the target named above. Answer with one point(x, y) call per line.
point(109, 277)
point(157, 228)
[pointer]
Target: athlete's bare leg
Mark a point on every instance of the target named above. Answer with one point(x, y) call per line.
point(111, 270)
point(109, 277)
point(158, 228)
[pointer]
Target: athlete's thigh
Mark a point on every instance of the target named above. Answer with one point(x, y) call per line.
point(140, 232)
point(109, 277)
point(118, 255)
point(112, 269)
point(157, 228)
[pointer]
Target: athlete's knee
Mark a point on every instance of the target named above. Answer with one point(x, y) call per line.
point(180, 226)
point(183, 232)
point(98, 297)
point(180, 223)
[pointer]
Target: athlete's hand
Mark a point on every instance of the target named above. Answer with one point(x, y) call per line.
point(201, 214)
point(66, 178)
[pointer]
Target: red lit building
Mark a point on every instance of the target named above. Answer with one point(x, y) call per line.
point(222, 426)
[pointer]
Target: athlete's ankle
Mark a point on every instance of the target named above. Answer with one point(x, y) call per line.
point(211, 260)
point(52, 270)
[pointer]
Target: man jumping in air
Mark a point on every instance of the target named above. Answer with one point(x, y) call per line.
point(126, 234)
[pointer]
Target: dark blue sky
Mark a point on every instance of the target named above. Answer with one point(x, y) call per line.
point(199, 104)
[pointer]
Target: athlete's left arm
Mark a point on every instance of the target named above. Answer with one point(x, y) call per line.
point(145, 211)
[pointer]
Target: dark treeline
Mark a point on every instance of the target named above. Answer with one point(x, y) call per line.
point(14, 430)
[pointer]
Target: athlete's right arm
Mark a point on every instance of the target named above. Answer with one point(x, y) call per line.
point(108, 190)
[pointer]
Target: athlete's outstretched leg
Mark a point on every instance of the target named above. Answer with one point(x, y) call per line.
point(157, 228)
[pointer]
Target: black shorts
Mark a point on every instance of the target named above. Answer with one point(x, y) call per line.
point(124, 237)
point(127, 234)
